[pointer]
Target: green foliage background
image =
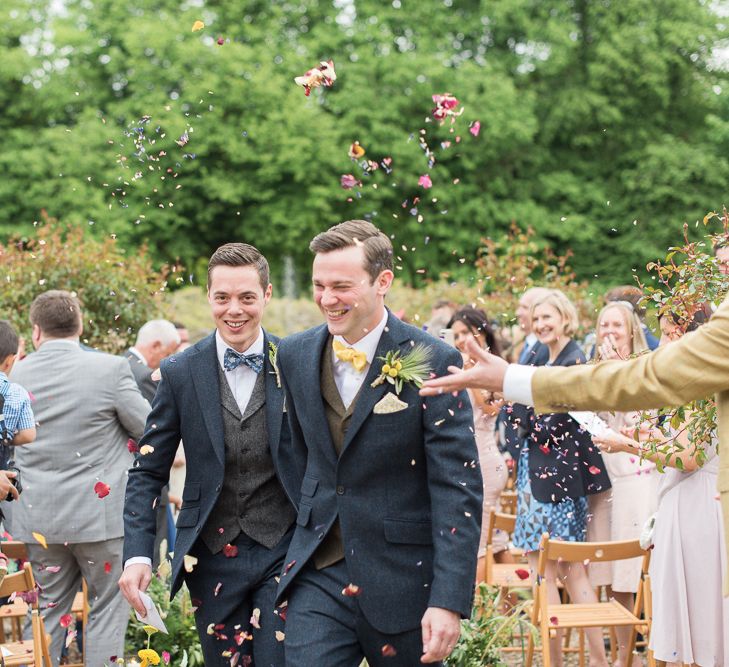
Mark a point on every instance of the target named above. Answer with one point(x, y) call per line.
point(604, 124)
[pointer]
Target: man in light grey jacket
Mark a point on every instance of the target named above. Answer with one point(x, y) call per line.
point(87, 405)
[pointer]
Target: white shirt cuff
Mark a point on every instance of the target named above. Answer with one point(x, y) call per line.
point(138, 560)
point(518, 384)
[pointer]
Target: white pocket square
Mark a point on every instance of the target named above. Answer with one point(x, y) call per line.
point(389, 404)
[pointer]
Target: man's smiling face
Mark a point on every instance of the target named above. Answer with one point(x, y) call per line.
point(237, 300)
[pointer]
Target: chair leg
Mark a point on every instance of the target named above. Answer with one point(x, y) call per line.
point(581, 644)
point(546, 655)
point(530, 651)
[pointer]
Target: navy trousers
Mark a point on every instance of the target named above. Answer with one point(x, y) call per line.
point(325, 628)
point(226, 591)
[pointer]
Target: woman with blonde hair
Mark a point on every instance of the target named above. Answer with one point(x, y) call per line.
point(621, 512)
point(558, 467)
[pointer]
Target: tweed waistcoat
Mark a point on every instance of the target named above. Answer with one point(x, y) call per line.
point(251, 500)
point(338, 418)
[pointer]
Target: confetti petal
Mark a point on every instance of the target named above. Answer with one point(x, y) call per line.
point(322, 75)
point(522, 573)
point(102, 490)
point(425, 182)
point(40, 539)
point(65, 620)
point(198, 25)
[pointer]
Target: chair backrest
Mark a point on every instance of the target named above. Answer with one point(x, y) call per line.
point(18, 582)
point(14, 549)
point(500, 521)
point(595, 552)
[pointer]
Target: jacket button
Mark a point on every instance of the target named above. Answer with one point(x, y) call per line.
point(340, 490)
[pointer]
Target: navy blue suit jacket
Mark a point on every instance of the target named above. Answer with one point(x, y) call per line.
point(187, 407)
point(407, 487)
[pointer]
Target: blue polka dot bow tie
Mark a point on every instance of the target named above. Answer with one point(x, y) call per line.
point(233, 359)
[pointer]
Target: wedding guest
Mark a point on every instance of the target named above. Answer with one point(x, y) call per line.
point(621, 512)
point(88, 406)
point(472, 323)
point(441, 312)
point(633, 295)
point(690, 616)
point(558, 468)
point(694, 367)
point(721, 252)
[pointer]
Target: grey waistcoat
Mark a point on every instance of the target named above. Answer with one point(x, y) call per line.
point(252, 500)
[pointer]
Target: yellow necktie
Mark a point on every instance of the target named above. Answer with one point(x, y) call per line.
point(355, 357)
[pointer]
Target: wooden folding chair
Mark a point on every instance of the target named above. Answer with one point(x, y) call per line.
point(16, 611)
point(503, 575)
point(33, 651)
point(549, 617)
point(507, 499)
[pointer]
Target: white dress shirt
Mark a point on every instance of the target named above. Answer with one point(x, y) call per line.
point(518, 384)
point(346, 377)
point(241, 381)
point(138, 355)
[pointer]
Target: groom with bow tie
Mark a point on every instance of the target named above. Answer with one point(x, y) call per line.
point(383, 559)
point(222, 397)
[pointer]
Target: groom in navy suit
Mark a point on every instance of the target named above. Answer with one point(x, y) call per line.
point(383, 559)
point(223, 398)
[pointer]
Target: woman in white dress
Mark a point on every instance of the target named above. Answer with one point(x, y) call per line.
point(690, 616)
point(473, 323)
point(621, 512)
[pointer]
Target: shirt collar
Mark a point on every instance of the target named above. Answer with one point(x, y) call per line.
point(139, 355)
point(221, 346)
point(530, 339)
point(368, 344)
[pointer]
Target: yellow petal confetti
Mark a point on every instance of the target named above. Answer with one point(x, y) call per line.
point(280, 636)
point(40, 539)
point(189, 563)
point(198, 25)
point(146, 449)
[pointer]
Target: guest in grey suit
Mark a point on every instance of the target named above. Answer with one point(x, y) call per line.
point(74, 477)
point(156, 340)
point(223, 398)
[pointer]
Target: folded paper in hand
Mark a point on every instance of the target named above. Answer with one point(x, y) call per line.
point(153, 617)
point(592, 423)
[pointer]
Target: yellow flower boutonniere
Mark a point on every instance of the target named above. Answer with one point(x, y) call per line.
point(272, 357)
point(399, 368)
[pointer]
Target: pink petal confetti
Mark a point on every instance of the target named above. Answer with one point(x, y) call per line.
point(256, 619)
point(351, 590)
point(66, 620)
point(230, 551)
point(101, 489)
point(166, 657)
point(322, 75)
point(348, 181)
point(594, 470)
point(388, 651)
point(554, 620)
point(475, 128)
point(425, 182)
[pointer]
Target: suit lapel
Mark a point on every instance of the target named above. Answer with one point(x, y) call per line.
point(204, 372)
point(392, 338)
point(274, 398)
point(310, 373)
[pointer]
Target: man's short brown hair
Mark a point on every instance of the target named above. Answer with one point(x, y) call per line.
point(57, 313)
point(240, 254)
point(377, 246)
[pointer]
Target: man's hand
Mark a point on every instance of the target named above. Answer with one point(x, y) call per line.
point(7, 490)
point(441, 629)
point(135, 578)
point(488, 373)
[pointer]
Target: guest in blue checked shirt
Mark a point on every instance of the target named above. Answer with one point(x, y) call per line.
point(17, 423)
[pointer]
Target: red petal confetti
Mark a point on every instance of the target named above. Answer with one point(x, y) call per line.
point(107, 567)
point(554, 620)
point(230, 551)
point(289, 566)
point(132, 446)
point(594, 470)
point(351, 591)
point(522, 573)
point(101, 489)
point(66, 620)
point(388, 651)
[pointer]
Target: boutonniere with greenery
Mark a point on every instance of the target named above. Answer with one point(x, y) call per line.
point(272, 357)
point(399, 368)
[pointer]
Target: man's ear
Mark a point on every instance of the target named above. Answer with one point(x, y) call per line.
point(268, 293)
point(384, 281)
